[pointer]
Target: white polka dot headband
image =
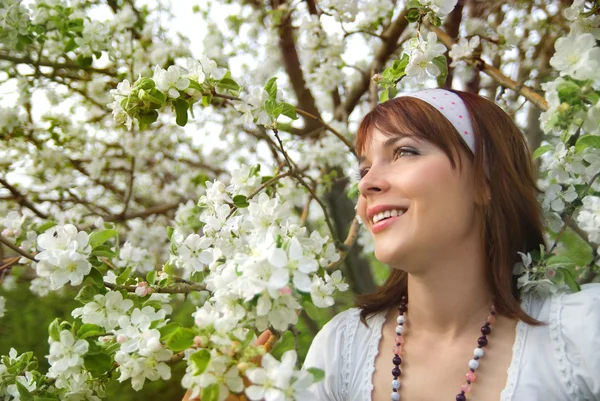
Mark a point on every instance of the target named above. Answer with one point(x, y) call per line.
point(453, 108)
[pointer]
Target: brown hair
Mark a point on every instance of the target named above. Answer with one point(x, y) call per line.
point(512, 220)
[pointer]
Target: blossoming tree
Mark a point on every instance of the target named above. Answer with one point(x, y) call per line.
point(227, 176)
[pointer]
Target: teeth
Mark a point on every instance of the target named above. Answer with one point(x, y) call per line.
point(388, 213)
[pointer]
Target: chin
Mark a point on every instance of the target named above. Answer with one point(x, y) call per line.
point(389, 256)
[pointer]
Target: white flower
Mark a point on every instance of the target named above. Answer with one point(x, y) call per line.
point(321, 291)
point(139, 368)
point(135, 329)
point(64, 255)
point(589, 217)
point(299, 265)
point(440, 7)
point(66, 353)
point(27, 381)
point(463, 49)
point(104, 310)
point(170, 81)
point(193, 253)
point(195, 70)
point(281, 313)
point(577, 55)
point(139, 259)
point(278, 381)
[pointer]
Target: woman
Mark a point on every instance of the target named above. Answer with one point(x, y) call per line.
point(448, 193)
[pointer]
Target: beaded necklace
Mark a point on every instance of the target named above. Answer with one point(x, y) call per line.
point(470, 376)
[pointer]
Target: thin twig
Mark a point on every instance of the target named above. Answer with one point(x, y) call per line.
point(308, 187)
point(259, 189)
point(130, 189)
point(329, 128)
point(348, 244)
point(568, 218)
point(15, 248)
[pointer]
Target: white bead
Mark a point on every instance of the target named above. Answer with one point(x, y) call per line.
point(396, 384)
point(473, 364)
point(401, 319)
point(478, 352)
point(399, 329)
point(395, 396)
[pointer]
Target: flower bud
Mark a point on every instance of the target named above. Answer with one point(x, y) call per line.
point(121, 338)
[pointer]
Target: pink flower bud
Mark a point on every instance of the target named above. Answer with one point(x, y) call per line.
point(197, 341)
point(550, 274)
point(285, 291)
point(121, 338)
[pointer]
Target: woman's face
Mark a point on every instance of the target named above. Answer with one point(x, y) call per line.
point(429, 205)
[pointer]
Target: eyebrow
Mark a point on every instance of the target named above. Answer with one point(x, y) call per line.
point(389, 142)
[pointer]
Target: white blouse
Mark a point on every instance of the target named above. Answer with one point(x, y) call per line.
point(554, 362)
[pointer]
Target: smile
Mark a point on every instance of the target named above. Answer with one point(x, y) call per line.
point(382, 224)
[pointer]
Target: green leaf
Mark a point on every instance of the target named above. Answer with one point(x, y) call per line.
point(181, 339)
point(169, 268)
point(86, 294)
point(206, 99)
point(24, 394)
point(271, 88)
point(153, 96)
point(167, 330)
point(151, 276)
point(84, 61)
point(100, 237)
point(47, 225)
point(570, 280)
point(413, 15)
point(96, 277)
point(146, 118)
point(435, 20)
point(560, 260)
point(97, 364)
point(318, 374)
point(228, 84)
point(413, 4)
point(90, 330)
point(254, 170)
point(540, 151)
point(587, 141)
point(289, 111)
point(71, 45)
point(569, 92)
point(273, 109)
point(170, 231)
point(103, 250)
point(145, 83)
point(442, 63)
point(201, 360)
point(240, 201)
point(181, 108)
point(211, 393)
point(265, 178)
point(54, 330)
point(123, 277)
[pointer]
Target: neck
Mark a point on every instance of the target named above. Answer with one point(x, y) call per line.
point(451, 298)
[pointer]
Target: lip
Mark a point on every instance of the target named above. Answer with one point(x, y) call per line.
point(383, 224)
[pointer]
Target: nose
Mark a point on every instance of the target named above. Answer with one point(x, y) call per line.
point(373, 183)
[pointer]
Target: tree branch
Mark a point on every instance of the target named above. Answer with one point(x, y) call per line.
point(22, 200)
point(179, 288)
point(15, 248)
point(55, 65)
point(330, 129)
point(291, 63)
point(388, 47)
point(494, 73)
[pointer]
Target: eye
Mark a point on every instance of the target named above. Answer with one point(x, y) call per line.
point(404, 151)
point(362, 172)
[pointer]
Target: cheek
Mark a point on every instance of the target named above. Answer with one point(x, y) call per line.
point(361, 208)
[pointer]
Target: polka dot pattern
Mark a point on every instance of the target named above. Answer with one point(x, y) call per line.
point(453, 108)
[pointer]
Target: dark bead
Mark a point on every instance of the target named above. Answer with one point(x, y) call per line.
point(472, 370)
point(402, 308)
point(396, 360)
point(468, 381)
point(485, 330)
point(396, 372)
point(404, 298)
point(395, 390)
point(482, 341)
point(476, 357)
point(461, 397)
point(493, 312)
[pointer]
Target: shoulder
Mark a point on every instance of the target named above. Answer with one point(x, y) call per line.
point(573, 321)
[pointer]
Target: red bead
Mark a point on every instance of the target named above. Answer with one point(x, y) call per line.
point(471, 376)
